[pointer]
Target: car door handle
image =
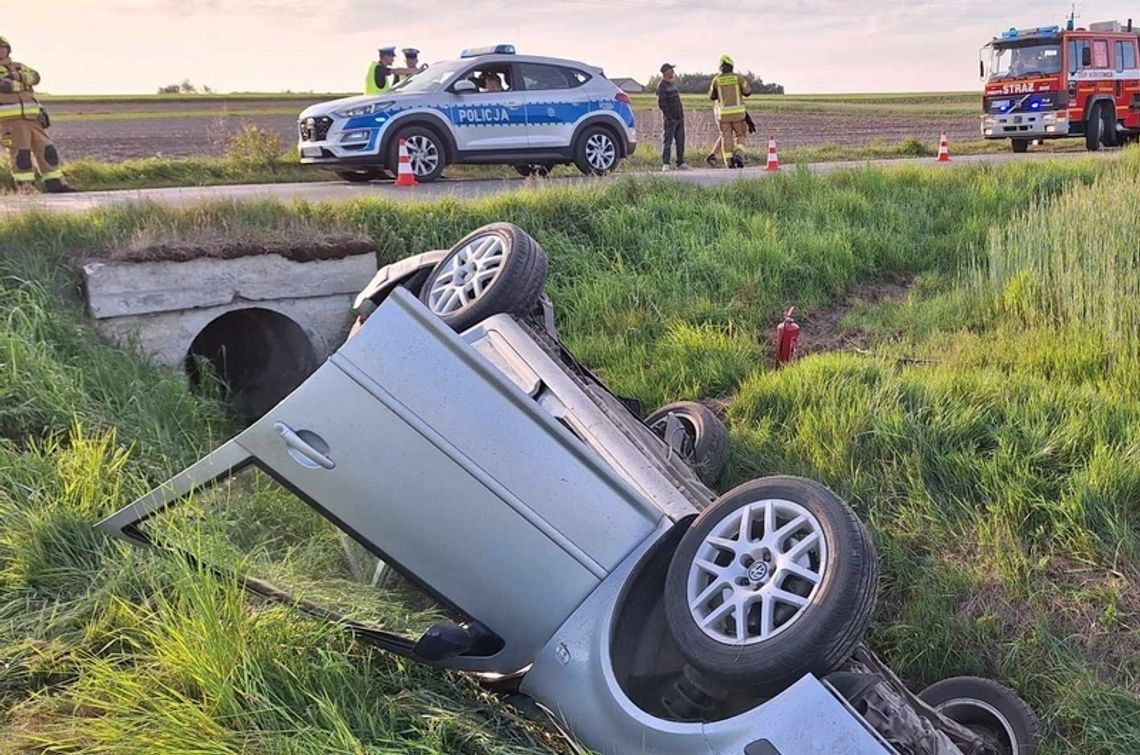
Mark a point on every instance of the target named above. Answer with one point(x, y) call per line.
point(513, 104)
point(302, 451)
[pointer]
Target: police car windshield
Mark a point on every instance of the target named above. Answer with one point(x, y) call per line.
point(428, 80)
point(1024, 60)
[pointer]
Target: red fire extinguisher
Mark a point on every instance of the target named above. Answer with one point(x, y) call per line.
point(787, 338)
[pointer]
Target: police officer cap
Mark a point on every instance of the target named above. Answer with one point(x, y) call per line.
point(5, 43)
point(388, 50)
point(666, 66)
point(411, 52)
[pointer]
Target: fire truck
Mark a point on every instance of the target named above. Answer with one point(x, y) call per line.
point(1053, 82)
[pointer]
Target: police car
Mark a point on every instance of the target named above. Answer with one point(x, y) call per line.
point(489, 106)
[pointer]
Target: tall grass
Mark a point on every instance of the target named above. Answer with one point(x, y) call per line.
point(1000, 482)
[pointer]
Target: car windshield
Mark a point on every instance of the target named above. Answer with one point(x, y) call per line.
point(430, 79)
point(1043, 59)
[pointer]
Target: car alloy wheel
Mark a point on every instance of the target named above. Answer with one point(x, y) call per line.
point(601, 152)
point(423, 155)
point(465, 275)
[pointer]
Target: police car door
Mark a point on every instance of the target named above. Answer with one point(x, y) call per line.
point(555, 102)
point(493, 117)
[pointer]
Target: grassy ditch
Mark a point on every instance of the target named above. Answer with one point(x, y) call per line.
point(998, 474)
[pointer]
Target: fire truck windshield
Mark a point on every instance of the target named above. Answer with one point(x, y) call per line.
point(1004, 61)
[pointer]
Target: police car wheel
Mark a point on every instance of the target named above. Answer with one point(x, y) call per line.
point(596, 152)
point(426, 153)
point(774, 580)
point(496, 269)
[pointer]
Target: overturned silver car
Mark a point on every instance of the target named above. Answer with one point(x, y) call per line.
point(572, 550)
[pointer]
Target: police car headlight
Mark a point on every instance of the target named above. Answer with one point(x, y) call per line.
point(359, 110)
point(356, 136)
point(989, 121)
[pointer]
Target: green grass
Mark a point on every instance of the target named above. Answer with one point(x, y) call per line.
point(1000, 480)
point(906, 104)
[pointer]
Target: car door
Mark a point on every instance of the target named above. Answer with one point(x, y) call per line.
point(555, 101)
point(416, 448)
point(486, 120)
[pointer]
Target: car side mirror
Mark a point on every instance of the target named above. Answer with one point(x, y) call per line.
point(464, 86)
point(1086, 57)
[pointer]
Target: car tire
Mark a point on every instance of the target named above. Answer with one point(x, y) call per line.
point(597, 151)
point(703, 440)
point(806, 555)
point(1094, 126)
point(360, 176)
point(496, 269)
point(1020, 146)
point(1111, 135)
point(426, 151)
point(526, 171)
point(989, 709)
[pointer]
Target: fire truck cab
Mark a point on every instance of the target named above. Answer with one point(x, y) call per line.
point(1051, 83)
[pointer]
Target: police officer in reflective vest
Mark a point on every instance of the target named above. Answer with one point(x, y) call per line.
point(381, 76)
point(728, 90)
point(22, 124)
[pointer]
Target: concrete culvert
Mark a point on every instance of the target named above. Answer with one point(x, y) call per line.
point(259, 355)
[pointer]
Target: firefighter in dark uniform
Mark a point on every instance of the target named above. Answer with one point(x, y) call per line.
point(22, 127)
point(729, 89)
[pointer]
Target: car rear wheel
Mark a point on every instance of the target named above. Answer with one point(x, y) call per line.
point(362, 175)
point(696, 433)
point(495, 269)
point(990, 710)
point(426, 153)
point(541, 171)
point(776, 579)
point(597, 152)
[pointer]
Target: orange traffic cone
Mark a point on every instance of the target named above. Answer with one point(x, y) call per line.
point(405, 176)
point(943, 150)
point(773, 158)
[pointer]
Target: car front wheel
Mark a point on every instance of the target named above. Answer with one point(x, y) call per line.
point(775, 580)
point(426, 153)
point(597, 152)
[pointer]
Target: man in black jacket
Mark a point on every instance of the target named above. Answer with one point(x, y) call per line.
point(669, 100)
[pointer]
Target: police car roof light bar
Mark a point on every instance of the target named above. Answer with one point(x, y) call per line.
point(472, 52)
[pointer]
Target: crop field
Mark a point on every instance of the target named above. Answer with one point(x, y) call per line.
point(112, 129)
point(971, 385)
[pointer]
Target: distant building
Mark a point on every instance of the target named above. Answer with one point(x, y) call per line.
point(629, 86)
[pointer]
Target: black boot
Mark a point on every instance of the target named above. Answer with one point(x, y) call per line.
point(57, 186)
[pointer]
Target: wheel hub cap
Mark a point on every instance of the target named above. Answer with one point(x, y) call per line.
point(467, 274)
point(757, 572)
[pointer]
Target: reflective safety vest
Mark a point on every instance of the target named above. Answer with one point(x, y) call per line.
point(370, 85)
point(730, 89)
point(17, 96)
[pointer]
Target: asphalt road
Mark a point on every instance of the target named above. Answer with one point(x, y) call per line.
point(457, 189)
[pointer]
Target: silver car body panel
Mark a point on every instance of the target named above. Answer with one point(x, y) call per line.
point(574, 678)
point(390, 276)
point(413, 443)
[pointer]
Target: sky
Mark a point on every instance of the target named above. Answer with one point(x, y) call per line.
point(809, 46)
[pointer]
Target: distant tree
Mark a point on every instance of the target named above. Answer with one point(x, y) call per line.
point(187, 88)
point(207, 90)
point(170, 89)
point(698, 83)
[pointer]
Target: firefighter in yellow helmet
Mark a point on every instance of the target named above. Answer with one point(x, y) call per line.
point(728, 90)
point(22, 124)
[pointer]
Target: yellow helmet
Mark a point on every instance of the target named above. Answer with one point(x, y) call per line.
point(726, 59)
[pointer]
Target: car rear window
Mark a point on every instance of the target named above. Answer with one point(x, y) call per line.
point(537, 76)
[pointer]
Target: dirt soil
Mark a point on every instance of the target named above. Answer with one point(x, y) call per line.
point(207, 135)
point(823, 331)
point(312, 247)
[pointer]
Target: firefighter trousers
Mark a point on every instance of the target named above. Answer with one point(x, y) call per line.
point(732, 133)
point(25, 140)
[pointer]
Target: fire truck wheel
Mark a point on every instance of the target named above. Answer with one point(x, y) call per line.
point(1094, 128)
point(776, 579)
point(699, 436)
point(1111, 137)
point(1020, 145)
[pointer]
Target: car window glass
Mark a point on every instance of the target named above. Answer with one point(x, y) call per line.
point(1100, 54)
point(577, 77)
point(251, 525)
point(538, 77)
point(1127, 56)
point(491, 78)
